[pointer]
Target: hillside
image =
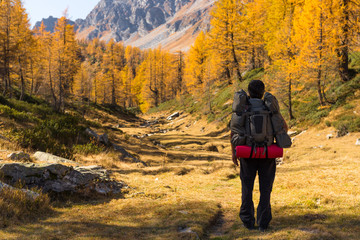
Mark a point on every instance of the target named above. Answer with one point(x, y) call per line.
point(191, 188)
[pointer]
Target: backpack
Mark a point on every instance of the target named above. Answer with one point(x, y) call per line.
point(283, 140)
point(255, 122)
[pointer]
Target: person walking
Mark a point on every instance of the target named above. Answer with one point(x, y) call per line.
point(249, 167)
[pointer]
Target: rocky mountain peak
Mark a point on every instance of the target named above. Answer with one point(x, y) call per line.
point(173, 24)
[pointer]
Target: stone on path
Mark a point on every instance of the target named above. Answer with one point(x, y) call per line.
point(173, 116)
point(357, 142)
point(329, 136)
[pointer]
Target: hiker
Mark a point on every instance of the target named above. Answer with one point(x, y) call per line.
point(251, 116)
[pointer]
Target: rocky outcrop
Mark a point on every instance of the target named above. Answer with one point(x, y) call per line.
point(58, 178)
point(50, 23)
point(173, 24)
point(146, 23)
point(119, 19)
point(104, 139)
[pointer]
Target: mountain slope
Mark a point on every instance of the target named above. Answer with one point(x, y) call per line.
point(50, 23)
point(147, 23)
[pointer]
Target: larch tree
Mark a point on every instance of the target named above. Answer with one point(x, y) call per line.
point(226, 36)
point(24, 44)
point(346, 24)
point(314, 39)
point(281, 48)
point(7, 43)
point(66, 61)
point(195, 69)
point(113, 64)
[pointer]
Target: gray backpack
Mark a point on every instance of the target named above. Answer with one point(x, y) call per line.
point(255, 122)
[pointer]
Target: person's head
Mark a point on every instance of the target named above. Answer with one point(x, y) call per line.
point(256, 89)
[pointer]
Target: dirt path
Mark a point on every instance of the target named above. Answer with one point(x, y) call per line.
point(191, 189)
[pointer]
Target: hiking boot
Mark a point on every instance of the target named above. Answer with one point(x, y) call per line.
point(262, 229)
point(249, 226)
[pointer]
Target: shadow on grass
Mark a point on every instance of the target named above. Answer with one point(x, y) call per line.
point(147, 220)
point(310, 225)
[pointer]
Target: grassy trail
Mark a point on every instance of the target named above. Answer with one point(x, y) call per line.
point(192, 190)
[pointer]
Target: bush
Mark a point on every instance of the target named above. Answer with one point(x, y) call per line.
point(11, 113)
point(55, 135)
point(89, 148)
point(349, 122)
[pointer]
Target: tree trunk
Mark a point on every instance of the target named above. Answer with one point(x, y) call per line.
point(291, 116)
point(343, 51)
point(235, 60)
point(319, 68)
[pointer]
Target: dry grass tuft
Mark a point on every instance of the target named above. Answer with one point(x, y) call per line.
point(16, 206)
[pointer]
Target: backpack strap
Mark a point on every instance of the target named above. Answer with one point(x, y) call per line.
point(252, 150)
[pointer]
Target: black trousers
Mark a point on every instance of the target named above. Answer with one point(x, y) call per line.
point(266, 169)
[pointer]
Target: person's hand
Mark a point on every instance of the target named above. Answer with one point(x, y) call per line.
point(235, 160)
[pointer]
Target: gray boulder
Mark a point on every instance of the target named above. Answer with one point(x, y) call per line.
point(357, 142)
point(58, 178)
point(49, 158)
point(104, 139)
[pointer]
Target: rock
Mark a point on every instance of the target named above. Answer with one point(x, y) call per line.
point(173, 116)
point(357, 142)
point(49, 158)
point(279, 161)
point(343, 131)
point(104, 139)
point(212, 148)
point(58, 178)
point(292, 133)
point(126, 154)
point(19, 156)
point(31, 194)
point(329, 136)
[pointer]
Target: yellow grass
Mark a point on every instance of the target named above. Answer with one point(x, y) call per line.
point(316, 193)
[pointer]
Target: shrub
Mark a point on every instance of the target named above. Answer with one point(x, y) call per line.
point(89, 148)
point(349, 122)
point(55, 135)
point(11, 113)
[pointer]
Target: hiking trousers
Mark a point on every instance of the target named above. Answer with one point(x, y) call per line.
point(266, 169)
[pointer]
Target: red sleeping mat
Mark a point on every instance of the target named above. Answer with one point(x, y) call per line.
point(274, 151)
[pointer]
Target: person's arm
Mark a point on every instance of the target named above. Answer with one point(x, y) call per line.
point(234, 158)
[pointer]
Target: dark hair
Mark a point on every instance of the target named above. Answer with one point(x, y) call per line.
point(256, 89)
